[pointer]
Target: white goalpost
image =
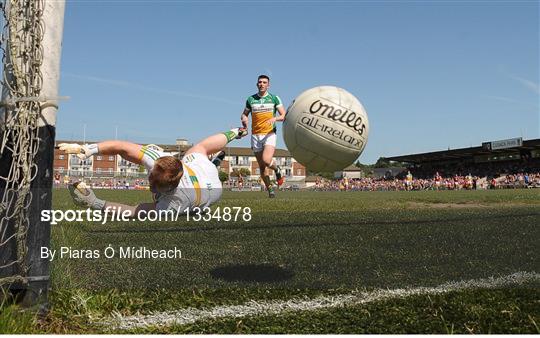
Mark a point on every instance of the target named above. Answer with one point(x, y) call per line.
point(31, 46)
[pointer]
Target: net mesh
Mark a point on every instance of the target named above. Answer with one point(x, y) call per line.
point(22, 56)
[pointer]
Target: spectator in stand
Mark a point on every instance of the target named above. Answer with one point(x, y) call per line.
point(409, 181)
point(438, 180)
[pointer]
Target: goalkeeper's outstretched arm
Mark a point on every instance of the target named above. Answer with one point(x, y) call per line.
point(129, 151)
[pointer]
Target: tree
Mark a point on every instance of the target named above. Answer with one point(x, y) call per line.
point(240, 172)
point(382, 162)
point(328, 175)
point(223, 176)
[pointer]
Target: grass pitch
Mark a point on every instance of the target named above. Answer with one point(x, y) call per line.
point(305, 245)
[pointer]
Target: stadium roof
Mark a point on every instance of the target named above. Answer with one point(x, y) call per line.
point(462, 153)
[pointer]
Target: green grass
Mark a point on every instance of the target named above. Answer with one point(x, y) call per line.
point(306, 244)
point(476, 311)
point(16, 321)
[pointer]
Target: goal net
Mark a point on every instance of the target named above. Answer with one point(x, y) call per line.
point(30, 46)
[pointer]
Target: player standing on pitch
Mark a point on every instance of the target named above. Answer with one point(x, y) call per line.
point(176, 185)
point(263, 107)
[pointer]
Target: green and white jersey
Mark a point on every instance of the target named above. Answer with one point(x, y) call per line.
point(199, 186)
point(262, 109)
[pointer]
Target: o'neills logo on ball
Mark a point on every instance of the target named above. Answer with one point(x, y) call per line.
point(337, 124)
point(344, 116)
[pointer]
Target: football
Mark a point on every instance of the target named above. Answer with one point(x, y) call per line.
point(326, 128)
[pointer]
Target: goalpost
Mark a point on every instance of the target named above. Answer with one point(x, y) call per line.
point(31, 45)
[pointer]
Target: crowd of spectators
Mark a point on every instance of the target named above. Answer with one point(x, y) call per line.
point(486, 169)
point(502, 175)
point(436, 182)
point(102, 183)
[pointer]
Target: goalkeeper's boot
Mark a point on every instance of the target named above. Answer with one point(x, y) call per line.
point(271, 192)
point(218, 158)
point(279, 177)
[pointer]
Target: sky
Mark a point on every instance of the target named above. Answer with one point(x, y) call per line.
point(432, 75)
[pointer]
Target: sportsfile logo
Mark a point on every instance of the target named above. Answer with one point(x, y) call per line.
point(196, 214)
point(329, 113)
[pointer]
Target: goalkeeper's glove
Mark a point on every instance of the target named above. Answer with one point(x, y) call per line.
point(85, 197)
point(82, 151)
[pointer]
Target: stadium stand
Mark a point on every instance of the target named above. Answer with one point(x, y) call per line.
point(506, 164)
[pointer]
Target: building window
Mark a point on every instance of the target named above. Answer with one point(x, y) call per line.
point(258, 171)
point(61, 157)
point(110, 170)
point(60, 169)
point(299, 172)
point(111, 158)
point(99, 158)
point(98, 170)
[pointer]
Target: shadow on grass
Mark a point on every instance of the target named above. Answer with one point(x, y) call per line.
point(262, 273)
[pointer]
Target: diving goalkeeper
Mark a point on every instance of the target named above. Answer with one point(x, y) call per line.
point(176, 185)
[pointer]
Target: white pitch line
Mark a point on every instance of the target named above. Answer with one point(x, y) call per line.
point(254, 308)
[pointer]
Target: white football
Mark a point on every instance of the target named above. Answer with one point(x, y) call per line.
point(326, 128)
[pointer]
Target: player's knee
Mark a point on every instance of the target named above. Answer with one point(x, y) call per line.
point(267, 162)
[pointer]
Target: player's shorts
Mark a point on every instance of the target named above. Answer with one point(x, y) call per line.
point(208, 177)
point(259, 141)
